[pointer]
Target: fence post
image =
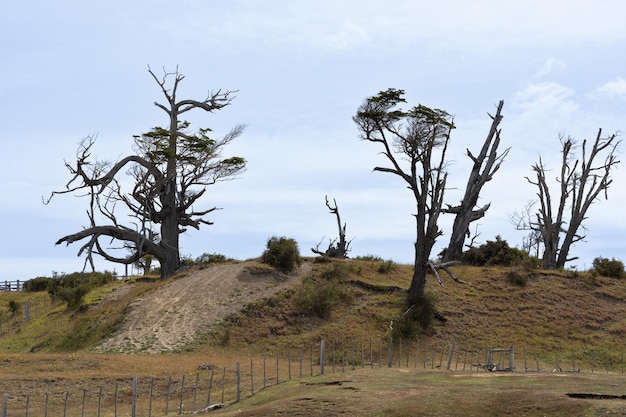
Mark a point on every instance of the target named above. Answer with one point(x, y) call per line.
point(417, 348)
point(450, 355)
point(239, 382)
point(223, 383)
point(67, 394)
point(389, 362)
point(512, 359)
point(195, 393)
point(182, 391)
point(353, 355)
point(311, 358)
point(264, 373)
point(322, 359)
point(208, 397)
point(277, 380)
point(27, 311)
point(4, 406)
point(251, 378)
point(167, 397)
point(134, 405)
point(149, 401)
point(400, 354)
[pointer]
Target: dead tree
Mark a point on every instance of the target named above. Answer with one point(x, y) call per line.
point(335, 249)
point(580, 182)
point(171, 169)
point(485, 165)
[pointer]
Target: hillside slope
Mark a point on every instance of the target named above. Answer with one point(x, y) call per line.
point(170, 317)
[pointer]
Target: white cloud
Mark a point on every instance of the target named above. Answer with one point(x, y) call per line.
point(613, 88)
point(551, 65)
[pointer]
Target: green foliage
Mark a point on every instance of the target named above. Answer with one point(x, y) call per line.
point(386, 267)
point(38, 284)
point(212, 258)
point(282, 253)
point(517, 278)
point(14, 306)
point(417, 318)
point(72, 288)
point(611, 268)
point(497, 252)
point(318, 295)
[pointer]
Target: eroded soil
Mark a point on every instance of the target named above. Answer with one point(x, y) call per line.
point(169, 318)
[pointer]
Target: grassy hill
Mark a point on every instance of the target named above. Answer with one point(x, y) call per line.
point(576, 313)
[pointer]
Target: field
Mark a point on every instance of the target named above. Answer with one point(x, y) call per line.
point(574, 316)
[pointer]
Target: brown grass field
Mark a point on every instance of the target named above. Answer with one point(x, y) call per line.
point(573, 316)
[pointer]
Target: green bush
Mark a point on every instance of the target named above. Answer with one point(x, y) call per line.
point(386, 267)
point(72, 288)
point(14, 306)
point(611, 268)
point(282, 253)
point(497, 252)
point(316, 299)
point(212, 258)
point(38, 284)
point(417, 318)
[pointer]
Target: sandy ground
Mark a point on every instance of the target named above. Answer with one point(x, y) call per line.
point(170, 317)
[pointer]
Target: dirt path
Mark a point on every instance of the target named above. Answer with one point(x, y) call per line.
point(170, 317)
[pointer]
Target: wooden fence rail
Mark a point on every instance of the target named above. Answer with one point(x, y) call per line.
point(16, 285)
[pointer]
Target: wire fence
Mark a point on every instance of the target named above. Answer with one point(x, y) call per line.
point(209, 387)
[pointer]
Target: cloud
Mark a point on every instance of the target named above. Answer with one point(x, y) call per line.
point(550, 66)
point(614, 88)
point(547, 97)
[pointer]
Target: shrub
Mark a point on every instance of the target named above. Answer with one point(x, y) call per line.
point(417, 318)
point(316, 299)
point(282, 253)
point(612, 268)
point(386, 267)
point(72, 288)
point(38, 284)
point(497, 252)
point(212, 258)
point(14, 306)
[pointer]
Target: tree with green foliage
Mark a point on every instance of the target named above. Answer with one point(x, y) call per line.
point(171, 169)
point(415, 142)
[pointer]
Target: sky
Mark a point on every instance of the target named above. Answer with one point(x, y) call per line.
point(301, 69)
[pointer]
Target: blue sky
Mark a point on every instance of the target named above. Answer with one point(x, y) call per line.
point(302, 68)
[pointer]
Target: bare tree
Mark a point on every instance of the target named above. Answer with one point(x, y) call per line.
point(580, 182)
point(411, 141)
point(485, 165)
point(335, 249)
point(171, 169)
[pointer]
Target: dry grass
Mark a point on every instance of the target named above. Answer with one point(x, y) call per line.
point(569, 315)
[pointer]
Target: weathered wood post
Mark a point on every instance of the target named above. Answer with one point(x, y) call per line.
point(195, 392)
point(167, 396)
point(450, 355)
point(251, 378)
point(238, 371)
point(389, 362)
point(134, 403)
point(182, 392)
point(512, 359)
point(322, 359)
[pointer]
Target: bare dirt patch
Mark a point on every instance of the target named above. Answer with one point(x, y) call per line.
point(170, 317)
